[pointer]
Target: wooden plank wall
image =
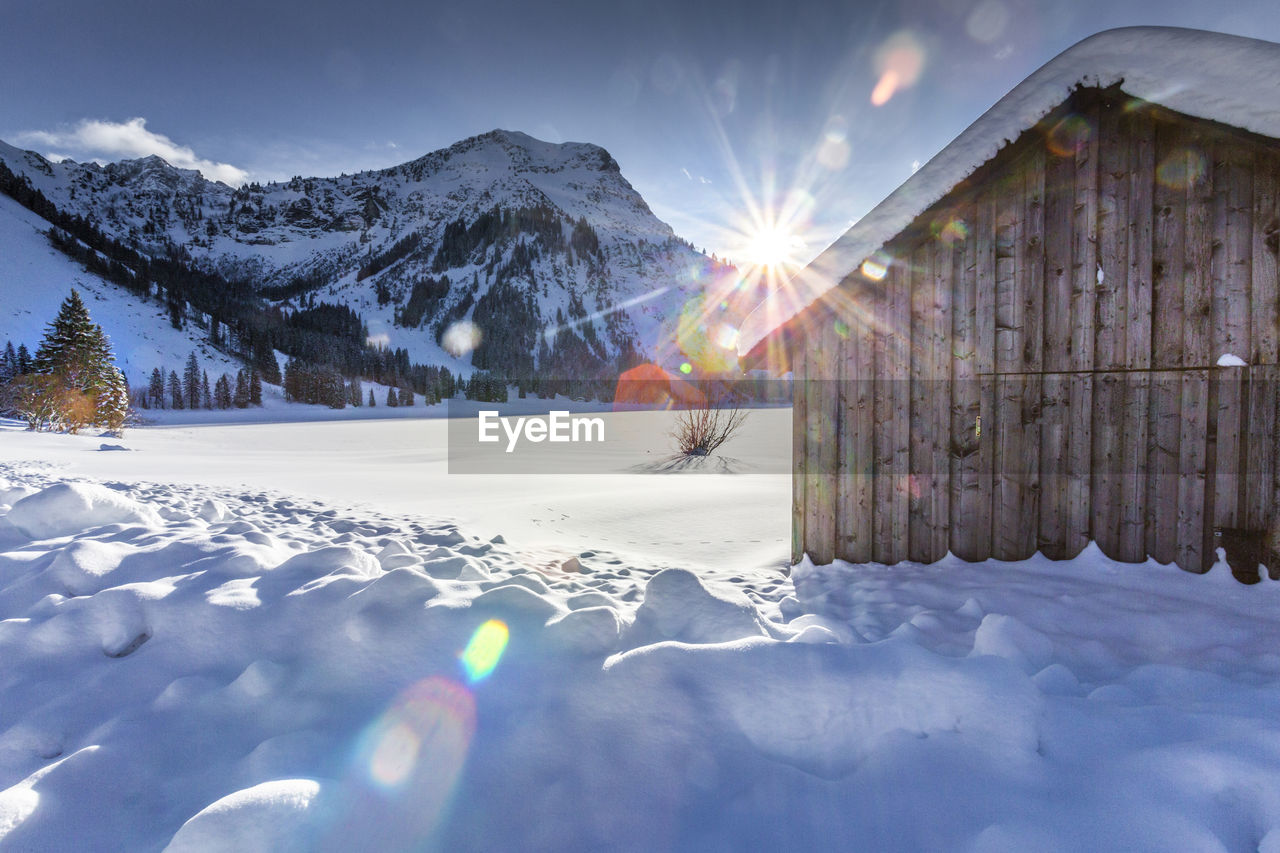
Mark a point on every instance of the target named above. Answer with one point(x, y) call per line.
point(1037, 368)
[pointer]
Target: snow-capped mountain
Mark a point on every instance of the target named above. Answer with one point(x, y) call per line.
point(544, 253)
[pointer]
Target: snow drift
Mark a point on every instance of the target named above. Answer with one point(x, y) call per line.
point(244, 671)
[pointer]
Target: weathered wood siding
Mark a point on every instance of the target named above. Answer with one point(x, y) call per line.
point(1037, 366)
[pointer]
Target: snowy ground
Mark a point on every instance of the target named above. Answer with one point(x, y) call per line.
point(310, 636)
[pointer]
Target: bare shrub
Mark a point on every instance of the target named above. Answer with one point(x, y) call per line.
point(47, 403)
point(703, 428)
point(77, 409)
point(34, 398)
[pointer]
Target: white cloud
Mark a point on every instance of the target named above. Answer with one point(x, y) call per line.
point(95, 139)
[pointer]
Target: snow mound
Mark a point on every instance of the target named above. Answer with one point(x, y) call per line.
point(1006, 637)
point(66, 508)
point(825, 708)
point(589, 630)
point(85, 566)
point(591, 598)
point(451, 566)
point(273, 817)
point(10, 495)
point(516, 603)
point(16, 805)
point(19, 802)
point(213, 511)
point(677, 606)
point(327, 561)
point(397, 555)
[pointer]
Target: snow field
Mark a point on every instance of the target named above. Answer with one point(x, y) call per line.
point(201, 667)
point(400, 464)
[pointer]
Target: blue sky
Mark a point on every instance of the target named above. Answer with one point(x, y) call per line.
point(725, 116)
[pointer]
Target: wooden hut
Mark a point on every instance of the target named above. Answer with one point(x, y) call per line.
point(1074, 340)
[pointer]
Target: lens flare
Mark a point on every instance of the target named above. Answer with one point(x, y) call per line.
point(697, 329)
point(461, 338)
point(773, 246)
point(885, 88)
point(550, 332)
point(899, 62)
point(406, 765)
point(484, 650)
point(833, 150)
point(766, 245)
point(987, 21)
point(726, 336)
point(645, 386)
point(432, 722)
point(1069, 136)
point(1182, 168)
point(951, 231)
point(724, 90)
point(395, 755)
point(876, 267)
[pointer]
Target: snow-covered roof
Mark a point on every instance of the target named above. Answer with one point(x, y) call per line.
point(1229, 79)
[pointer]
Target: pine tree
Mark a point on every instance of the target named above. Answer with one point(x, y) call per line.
point(255, 387)
point(113, 401)
point(391, 397)
point(73, 346)
point(335, 390)
point(241, 398)
point(138, 399)
point(68, 332)
point(84, 383)
point(206, 398)
point(222, 392)
point(373, 402)
point(9, 364)
point(264, 358)
point(406, 397)
point(175, 391)
point(191, 382)
point(290, 381)
point(155, 390)
point(25, 365)
point(8, 373)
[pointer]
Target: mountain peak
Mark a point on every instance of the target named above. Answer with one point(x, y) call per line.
point(525, 151)
point(514, 234)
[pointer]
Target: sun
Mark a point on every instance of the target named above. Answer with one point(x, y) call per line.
point(773, 246)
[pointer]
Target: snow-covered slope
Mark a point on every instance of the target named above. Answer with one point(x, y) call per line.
point(1230, 79)
point(567, 241)
point(35, 278)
